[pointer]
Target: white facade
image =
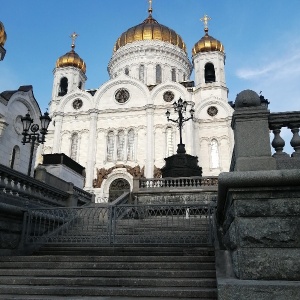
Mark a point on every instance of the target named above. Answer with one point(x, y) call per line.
point(13, 106)
point(121, 127)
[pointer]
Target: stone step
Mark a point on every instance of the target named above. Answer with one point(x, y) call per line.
point(107, 282)
point(43, 297)
point(178, 292)
point(139, 250)
point(115, 258)
point(46, 297)
point(110, 265)
point(109, 273)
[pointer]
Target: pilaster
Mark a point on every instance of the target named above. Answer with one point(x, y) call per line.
point(91, 159)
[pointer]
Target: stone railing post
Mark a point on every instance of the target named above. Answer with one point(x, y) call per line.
point(135, 185)
point(252, 148)
point(72, 199)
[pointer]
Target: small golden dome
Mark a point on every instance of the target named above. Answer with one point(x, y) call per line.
point(71, 59)
point(150, 29)
point(3, 35)
point(207, 44)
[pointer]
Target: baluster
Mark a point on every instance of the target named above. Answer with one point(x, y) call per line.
point(295, 141)
point(15, 187)
point(8, 187)
point(2, 182)
point(278, 142)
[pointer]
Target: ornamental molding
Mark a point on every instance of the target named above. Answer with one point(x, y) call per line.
point(68, 70)
point(3, 101)
point(149, 48)
point(159, 126)
point(125, 81)
point(170, 85)
point(213, 100)
point(206, 55)
point(84, 96)
point(29, 102)
point(106, 176)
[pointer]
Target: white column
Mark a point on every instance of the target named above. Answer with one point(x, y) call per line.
point(91, 149)
point(135, 143)
point(150, 142)
point(125, 150)
point(115, 154)
point(57, 133)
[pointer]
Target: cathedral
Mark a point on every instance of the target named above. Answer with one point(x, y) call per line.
point(120, 131)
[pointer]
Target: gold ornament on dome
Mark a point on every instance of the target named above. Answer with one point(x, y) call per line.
point(3, 35)
point(207, 43)
point(71, 58)
point(150, 29)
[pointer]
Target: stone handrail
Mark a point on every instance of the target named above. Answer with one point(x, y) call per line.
point(28, 190)
point(251, 124)
point(290, 120)
point(179, 182)
point(77, 196)
point(83, 197)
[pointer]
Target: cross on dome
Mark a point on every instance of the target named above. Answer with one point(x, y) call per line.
point(205, 20)
point(150, 10)
point(73, 36)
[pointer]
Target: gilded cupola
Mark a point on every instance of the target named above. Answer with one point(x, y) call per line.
point(71, 58)
point(149, 29)
point(207, 43)
point(3, 35)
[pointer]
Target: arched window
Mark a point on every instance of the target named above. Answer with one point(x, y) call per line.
point(120, 145)
point(110, 146)
point(74, 146)
point(63, 87)
point(80, 85)
point(130, 145)
point(118, 187)
point(184, 77)
point(214, 154)
point(210, 75)
point(15, 158)
point(142, 73)
point(158, 74)
point(126, 71)
point(174, 74)
point(169, 142)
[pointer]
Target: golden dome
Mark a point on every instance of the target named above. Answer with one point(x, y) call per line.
point(71, 59)
point(207, 44)
point(150, 29)
point(3, 35)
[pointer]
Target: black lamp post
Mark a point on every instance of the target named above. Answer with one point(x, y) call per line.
point(31, 135)
point(180, 108)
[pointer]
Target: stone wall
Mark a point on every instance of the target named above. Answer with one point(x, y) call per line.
point(11, 224)
point(259, 217)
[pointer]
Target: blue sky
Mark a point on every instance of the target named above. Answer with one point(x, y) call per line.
point(261, 39)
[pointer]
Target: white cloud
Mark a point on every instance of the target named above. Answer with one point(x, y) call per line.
point(290, 64)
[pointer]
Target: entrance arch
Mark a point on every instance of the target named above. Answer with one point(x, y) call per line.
point(117, 188)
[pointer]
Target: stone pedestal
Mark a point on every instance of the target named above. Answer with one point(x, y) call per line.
point(258, 213)
point(181, 165)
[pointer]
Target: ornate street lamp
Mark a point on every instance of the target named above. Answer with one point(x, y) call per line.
point(31, 135)
point(180, 108)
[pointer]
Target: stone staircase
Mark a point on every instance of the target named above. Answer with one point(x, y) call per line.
point(77, 272)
